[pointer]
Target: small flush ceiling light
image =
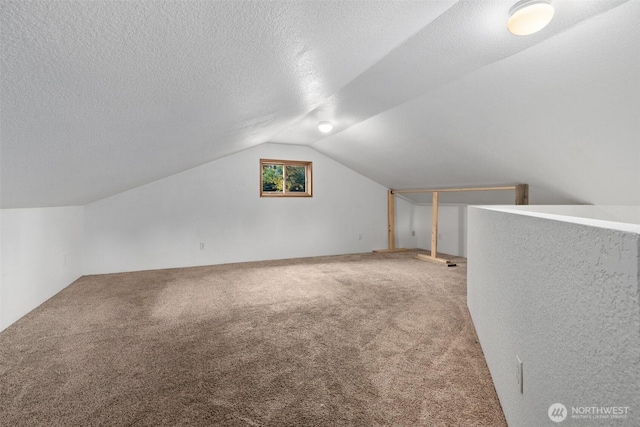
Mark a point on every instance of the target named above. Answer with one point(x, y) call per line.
point(325, 127)
point(529, 16)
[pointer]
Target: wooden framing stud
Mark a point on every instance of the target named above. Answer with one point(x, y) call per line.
point(522, 194)
point(521, 198)
point(391, 211)
point(430, 258)
point(387, 251)
point(434, 226)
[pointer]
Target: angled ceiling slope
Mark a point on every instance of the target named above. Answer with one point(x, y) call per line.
point(101, 97)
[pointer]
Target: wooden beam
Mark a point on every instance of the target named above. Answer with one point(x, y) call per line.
point(430, 258)
point(434, 226)
point(391, 208)
point(450, 190)
point(386, 251)
point(522, 194)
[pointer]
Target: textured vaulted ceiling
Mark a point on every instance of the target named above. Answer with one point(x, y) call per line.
point(103, 96)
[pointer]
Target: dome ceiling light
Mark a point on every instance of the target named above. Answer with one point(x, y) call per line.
point(529, 16)
point(325, 127)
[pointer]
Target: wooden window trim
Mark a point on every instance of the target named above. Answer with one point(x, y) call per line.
point(308, 177)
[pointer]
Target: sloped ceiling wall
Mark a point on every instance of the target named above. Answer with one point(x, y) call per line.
point(100, 97)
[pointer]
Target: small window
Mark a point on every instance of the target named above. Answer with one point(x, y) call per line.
point(285, 178)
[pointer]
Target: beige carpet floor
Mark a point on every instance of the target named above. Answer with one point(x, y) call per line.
point(355, 340)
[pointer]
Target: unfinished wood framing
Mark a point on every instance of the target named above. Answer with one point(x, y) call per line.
point(522, 194)
point(434, 224)
point(391, 207)
point(386, 251)
point(450, 190)
point(434, 259)
point(521, 198)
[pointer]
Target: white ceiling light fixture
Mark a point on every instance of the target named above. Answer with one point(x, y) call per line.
point(529, 16)
point(325, 126)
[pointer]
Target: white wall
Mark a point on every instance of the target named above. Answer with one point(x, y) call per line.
point(41, 254)
point(452, 228)
point(2, 325)
point(405, 223)
point(562, 293)
point(161, 225)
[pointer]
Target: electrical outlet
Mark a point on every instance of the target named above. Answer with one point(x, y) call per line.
point(519, 374)
point(202, 246)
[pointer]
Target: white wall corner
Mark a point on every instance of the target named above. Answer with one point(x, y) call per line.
point(41, 255)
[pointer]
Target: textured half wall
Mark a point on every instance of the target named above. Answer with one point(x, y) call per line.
point(41, 255)
point(562, 294)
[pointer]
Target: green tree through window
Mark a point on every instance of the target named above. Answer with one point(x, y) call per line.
point(285, 178)
point(296, 178)
point(272, 178)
